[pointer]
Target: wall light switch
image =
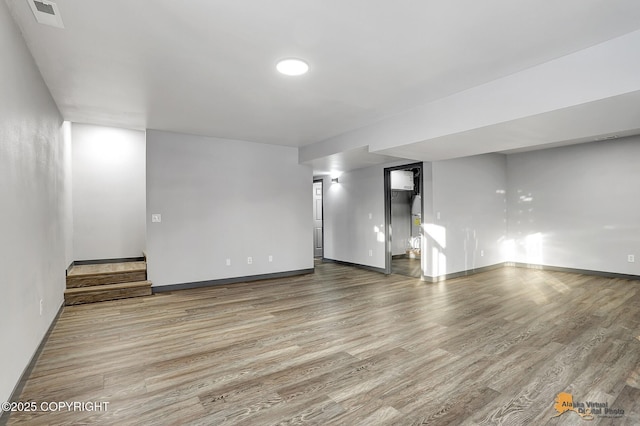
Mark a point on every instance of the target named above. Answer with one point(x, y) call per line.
point(370, 252)
point(270, 258)
point(228, 262)
point(156, 218)
point(370, 215)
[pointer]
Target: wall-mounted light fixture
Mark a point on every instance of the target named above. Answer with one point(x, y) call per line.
point(334, 180)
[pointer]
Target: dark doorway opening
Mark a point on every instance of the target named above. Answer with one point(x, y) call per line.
point(318, 221)
point(404, 211)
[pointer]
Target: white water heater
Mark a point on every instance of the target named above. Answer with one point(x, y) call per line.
point(402, 180)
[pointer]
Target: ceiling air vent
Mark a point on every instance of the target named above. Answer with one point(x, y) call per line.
point(46, 12)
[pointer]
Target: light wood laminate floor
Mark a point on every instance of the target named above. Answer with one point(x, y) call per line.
point(105, 268)
point(406, 266)
point(349, 347)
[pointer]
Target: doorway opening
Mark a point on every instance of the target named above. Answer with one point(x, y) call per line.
point(403, 187)
point(318, 224)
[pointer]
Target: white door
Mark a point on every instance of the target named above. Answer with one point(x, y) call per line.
point(317, 219)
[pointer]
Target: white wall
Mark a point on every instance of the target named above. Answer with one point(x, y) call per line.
point(108, 192)
point(67, 194)
point(32, 215)
point(223, 199)
point(353, 210)
point(468, 228)
point(577, 206)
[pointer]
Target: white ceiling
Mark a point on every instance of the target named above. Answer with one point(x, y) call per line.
point(208, 66)
point(351, 159)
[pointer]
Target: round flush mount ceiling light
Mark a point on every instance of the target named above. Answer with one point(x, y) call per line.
point(292, 66)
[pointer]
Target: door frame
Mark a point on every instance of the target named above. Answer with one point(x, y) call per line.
point(387, 208)
point(321, 182)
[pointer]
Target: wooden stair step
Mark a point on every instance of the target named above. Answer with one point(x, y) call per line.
point(100, 293)
point(106, 273)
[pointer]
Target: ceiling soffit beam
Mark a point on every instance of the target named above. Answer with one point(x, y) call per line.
point(615, 117)
point(602, 71)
